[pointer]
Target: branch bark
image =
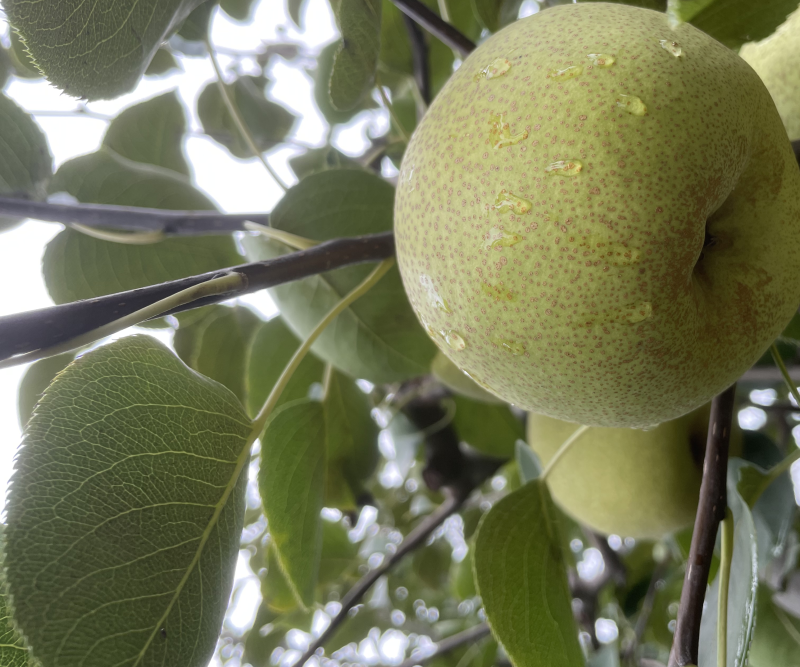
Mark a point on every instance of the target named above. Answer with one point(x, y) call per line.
point(435, 25)
point(43, 328)
point(419, 54)
point(133, 219)
point(710, 511)
point(469, 636)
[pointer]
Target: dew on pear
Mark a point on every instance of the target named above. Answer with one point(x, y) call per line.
point(434, 298)
point(615, 254)
point(497, 68)
point(564, 168)
point(638, 312)
point(671, 47)
point(511, 346)
point(500, 238)
point(498, 292)
point(500, 133)
point(601, 60)
point(632, 104)
point(569, 72)
point(454, 340)
point(509, 201)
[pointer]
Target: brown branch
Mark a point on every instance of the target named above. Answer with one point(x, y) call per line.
point(435, 25)
point(43, 328)
point(416, 538)
point(710, 511)
point(471, 635)
point(130, 218)
point(419, 54)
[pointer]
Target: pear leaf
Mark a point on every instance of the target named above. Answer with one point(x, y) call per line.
point(522, 579)
point(151, 132)
point(743, 583)
point(291, 480)
point(528, 462)
point(37, 378)
point(13, 650)
point(77, 266)
point(491, 429)
point(92, 53)
point(378, 338)
point(356, 57)
point(125, 511)
point(776, 640)
point(733, 22)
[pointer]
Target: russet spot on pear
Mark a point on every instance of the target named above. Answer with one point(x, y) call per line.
point(598, 219)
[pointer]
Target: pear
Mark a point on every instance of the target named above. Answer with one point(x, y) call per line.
point(627, 482)
point(777, 61)
point(598, 219)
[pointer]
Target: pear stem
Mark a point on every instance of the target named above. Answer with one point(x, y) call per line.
point(776, 355)
point(710, 512)
point(563, 450)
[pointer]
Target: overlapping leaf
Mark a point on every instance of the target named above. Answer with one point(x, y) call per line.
point(36, 379)
point(77, 266)
point(491, 429)
point(268, 122)
point(92, 52)
point(378, 338)
point(13, 650)
point(776, 640)
point(125, 511)
point(522, 579)
point(151, 132)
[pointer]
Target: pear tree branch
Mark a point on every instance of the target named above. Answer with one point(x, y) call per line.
point(435, 25)
point(130, 218)
point(46, 327)
point(710, 512)
point(468, 636)
point(420, 56)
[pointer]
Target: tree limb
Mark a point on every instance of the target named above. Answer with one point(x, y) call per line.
point(43, 328)
point(468, 636)
point(416, 538)
point(129, 218)
point(435, 25)
point(710, 512)
point(419, 54)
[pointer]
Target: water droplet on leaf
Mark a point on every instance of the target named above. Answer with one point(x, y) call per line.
point(632, 104)
point(564, 167)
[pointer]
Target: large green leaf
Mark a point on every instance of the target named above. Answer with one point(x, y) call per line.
point(241, 10)
point(492, 429)
point(522, 579)
point(151, 132)
point(743, 583)
point(378, 338)
point(268, 122)
point(13, 650)
point(36, 379)
point(126, 510)
point(95, 51)
point(25, 163)
point(217, 346)
point(270, 350)
point(356, 58)
point(21, 59)
point(733, 22)
point(322, 79)
point(162, 63)
point(77, 266)
point(776, 640)
point(291, 480)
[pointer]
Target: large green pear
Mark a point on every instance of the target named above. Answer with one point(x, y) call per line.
point(598, 218)
point(623, 481)
point(777, 61)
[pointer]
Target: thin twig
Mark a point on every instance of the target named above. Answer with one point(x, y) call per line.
point(434, 24)
point(710, 512)
point(648, 604)
point(237, 117)
point(419, 54)
point(416, 538)
point(471, 635)
point(790, 385)
point(43, 328)
point(131, 218)
point(724, 582)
